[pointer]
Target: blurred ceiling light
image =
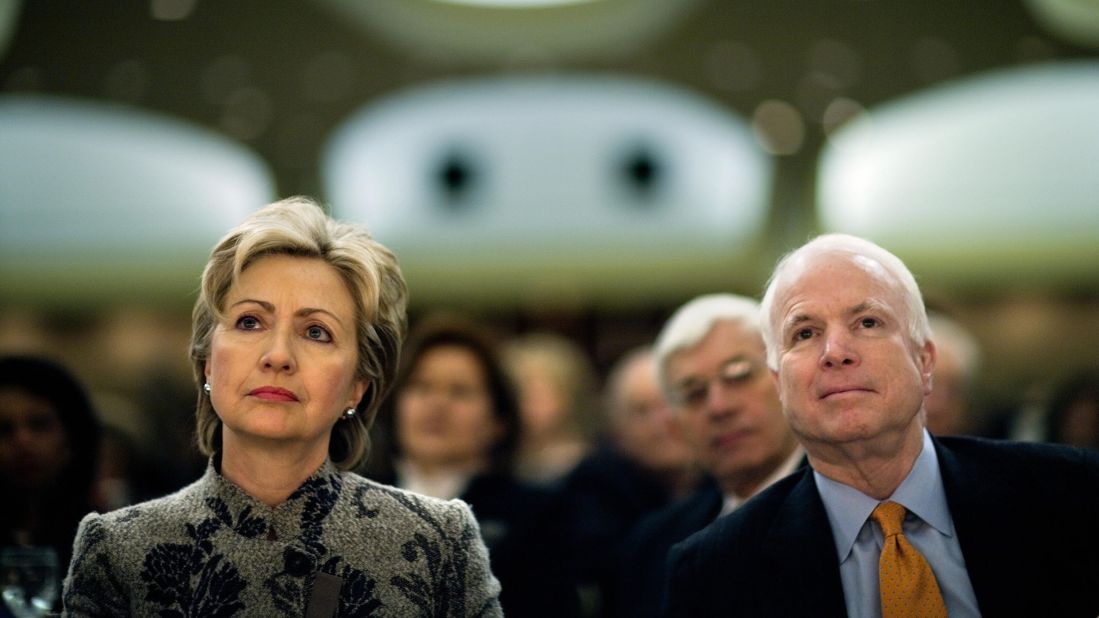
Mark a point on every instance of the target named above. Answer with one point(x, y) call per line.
point(480, 32)
point(611, 188)
point(516, 4)
point(1075, 21)
point(171, 10)
point(110, 203)
point(778, 127)
point(994, 175)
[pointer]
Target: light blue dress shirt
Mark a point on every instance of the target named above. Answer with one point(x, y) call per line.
point(928, 526)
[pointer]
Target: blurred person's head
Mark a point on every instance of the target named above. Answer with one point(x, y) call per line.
point(949, 405)
point(49, 433)
point(558, 408)
point(556, 386)
point(712, 366)
point(1073, 414)
point(283, 249)
point(642, 426)
point(453, 406)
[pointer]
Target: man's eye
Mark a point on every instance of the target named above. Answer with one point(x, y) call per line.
point(738, 371)
point(318, 333)
point(869, 322)
point(803, 334)
point(693, 397)
point(696, 396)
point(248, 323)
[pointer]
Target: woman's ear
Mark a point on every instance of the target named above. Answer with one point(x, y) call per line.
point(358, 389)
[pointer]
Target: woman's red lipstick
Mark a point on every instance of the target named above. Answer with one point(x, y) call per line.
point(273, 393)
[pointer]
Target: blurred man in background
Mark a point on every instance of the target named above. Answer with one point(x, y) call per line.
point(712, 368)
point(640, 465)
point(950, 409)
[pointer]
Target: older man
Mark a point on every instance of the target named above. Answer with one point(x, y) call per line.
point(957, 363)
point(971, 527)
point(711, 366)
point(643, 464)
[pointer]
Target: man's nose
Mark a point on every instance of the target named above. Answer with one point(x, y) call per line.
point(838, 350)
point(720, 399)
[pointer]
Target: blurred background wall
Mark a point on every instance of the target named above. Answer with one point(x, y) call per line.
point(582, 168)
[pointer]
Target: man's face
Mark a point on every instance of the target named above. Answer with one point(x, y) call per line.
point(644, 423)
point(946, 405)
point(848, 370)
point(728, 408)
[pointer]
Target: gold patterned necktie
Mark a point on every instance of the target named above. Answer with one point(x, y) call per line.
point(908, 587)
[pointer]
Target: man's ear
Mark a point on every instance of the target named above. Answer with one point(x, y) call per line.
point(926, 358)
point(778, 386)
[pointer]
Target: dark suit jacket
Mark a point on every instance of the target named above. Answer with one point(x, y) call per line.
point(645, 552)
point(524, 530)
point(1026, 515)
point(605, 495)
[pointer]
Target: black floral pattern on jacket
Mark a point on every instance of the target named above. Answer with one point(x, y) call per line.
point(211, 550)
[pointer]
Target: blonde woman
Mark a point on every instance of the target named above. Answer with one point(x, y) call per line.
point(295, 342)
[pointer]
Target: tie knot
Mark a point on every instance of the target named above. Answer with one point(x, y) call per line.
point(889, 516)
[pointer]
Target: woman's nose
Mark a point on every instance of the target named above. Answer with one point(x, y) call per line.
point(279, 355)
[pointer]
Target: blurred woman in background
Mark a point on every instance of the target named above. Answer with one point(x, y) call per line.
point(558, 404)
point(453, 432)
point(49, 446)
point(1073, 415)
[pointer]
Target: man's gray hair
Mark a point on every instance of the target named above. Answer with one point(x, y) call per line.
point(844, 244)
point(693, 321)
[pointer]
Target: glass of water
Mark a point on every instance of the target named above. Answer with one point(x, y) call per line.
point(29, 580)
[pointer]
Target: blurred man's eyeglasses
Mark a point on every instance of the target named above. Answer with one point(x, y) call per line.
point(735, 373)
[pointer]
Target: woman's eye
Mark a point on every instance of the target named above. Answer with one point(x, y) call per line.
point(463, 392)
point(318, 333)
point(247, 323)
point(869, 322)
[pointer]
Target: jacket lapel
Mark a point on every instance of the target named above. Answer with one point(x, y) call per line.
point(803, 553)
point(978, 527)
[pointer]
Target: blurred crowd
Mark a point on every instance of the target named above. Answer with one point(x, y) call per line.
point(580, 476)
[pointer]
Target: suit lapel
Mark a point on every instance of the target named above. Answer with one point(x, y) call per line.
point(972, 489)
point(705, 510)
point(803, 553)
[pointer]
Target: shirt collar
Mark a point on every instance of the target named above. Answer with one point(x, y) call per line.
point(921, 492)
point(732, 501)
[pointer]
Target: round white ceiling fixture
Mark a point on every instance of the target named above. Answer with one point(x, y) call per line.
point(109, 202)
point(600, 187)
point(991, 176)
point(513, 32)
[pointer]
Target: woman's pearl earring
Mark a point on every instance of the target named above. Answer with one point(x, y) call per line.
point(206, 387)
point(350, 414)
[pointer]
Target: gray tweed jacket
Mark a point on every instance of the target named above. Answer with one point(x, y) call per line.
point(341, 545)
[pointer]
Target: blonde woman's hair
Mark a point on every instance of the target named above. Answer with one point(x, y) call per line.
point(298, 226)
